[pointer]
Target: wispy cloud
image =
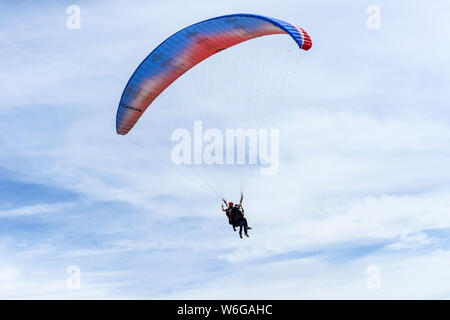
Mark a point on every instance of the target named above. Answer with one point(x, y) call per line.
point(35, 209)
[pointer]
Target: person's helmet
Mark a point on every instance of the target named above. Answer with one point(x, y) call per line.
point(230, 204)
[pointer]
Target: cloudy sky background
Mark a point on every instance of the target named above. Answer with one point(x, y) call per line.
point(364, 173)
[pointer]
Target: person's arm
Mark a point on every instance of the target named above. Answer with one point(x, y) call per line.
point(224, 201)
point(240, 201)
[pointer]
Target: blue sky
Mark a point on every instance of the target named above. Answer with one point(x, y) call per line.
point(364, 174)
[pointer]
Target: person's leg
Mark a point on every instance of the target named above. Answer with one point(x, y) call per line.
point(245, 222)
point(240, 229)
point(246, 227)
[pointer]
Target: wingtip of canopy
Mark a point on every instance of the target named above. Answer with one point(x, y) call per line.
point(306, 39)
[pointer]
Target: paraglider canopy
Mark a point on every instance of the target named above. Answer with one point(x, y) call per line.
point(188, 47)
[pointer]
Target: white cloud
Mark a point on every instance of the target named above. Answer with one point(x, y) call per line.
point(8, 273)
point(412, 242)
point(423, 276)
point(35, 209)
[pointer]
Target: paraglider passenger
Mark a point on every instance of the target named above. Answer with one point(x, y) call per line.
point(228, 213)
